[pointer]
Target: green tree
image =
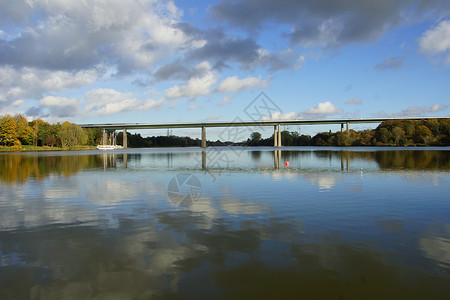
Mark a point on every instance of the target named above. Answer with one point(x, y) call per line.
point(398, 135)
point(71, 135)
point(286, 138)
point(255, 136)
point(423, 135)
point(383, 135)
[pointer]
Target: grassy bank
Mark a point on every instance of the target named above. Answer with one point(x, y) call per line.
point(27, 148)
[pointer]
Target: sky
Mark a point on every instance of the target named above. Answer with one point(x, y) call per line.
point(145, 61)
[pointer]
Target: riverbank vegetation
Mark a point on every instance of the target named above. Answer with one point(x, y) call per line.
point(429, 132)
point(18, 134)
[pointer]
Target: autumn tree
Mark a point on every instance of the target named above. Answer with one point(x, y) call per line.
point(24, 131)
point(8, 131)
point(422, 135)
point(398, 135)
point(71, 135)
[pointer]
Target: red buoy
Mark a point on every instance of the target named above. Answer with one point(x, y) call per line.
point(287, 164)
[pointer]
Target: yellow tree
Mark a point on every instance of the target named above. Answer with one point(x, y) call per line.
point(24, 131)
point(8, 133)
point(71, 135)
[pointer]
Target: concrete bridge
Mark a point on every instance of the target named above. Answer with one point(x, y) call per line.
point(110, 128)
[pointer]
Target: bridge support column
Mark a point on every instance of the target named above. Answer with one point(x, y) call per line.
point(203, 137)
point(279, 135)
point(342, 127)
point(348, 125)
point(104, 136)
point(203, 160)
point(275, 136)
point(125, 139)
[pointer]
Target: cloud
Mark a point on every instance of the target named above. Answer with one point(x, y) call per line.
point(416, 111)
point(233, 84)
point(223, 49)
point(74, 35)
point(18, 102)
point(198, 85)
point(213, 118)
point(391, 63)
point(109, 101)
point(56, 108)
point(355, 100)
point(193, 107)
point(225, 100)
point(325, 23)
point(280, 116)
point(320, 111)
point(33, 83)
point(436, 41)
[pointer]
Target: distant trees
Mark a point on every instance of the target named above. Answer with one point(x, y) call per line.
point(17, 131)
point(137, 141)
point(435, 132)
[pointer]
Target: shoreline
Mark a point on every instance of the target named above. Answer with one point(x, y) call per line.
point(12, 149)
point(4, 149)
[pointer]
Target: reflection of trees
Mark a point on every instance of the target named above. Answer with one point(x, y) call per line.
point(395, 159)
point(19, 168)
point(412, 159)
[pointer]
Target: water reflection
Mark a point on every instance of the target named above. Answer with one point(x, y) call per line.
point(334, 224)
point(21, 168)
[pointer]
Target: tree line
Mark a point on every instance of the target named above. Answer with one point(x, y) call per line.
point(428, 132)
point(137, 141)
point(16, 131)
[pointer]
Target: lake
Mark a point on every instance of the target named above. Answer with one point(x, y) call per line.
point(226, 223)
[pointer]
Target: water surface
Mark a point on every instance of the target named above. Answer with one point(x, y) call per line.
point(338, 223)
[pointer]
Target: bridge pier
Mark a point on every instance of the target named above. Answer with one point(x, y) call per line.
point(203, 137)
point(104, 136)
point(342, 127)
point(348, 125)
point(125, 138)
point(279, 135)
point(275, 136)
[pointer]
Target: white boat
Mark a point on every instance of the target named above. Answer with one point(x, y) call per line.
point(109, 147)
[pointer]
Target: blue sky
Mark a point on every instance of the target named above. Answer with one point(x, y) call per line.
point(180, 61)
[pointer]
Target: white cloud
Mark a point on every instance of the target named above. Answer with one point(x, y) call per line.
point(355, 100)
point(33, 82)
point(109, 101)
point(225, 100)
point(18, 102)
point(416, 111)
point(193, 107)
point(198, 85)
point(52, 101)
point(321, 110)
point(280, 116)
point(131, 34)
point(436, 41)
point(233, 84)
point(55, 108)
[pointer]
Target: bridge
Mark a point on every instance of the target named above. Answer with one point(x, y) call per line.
point(109, 129)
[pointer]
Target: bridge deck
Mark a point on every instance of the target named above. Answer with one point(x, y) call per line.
point(246, 123)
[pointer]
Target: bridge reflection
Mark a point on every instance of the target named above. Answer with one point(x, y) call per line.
point(21, 167)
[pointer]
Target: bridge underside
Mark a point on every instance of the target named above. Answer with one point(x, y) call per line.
point(203, 126)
